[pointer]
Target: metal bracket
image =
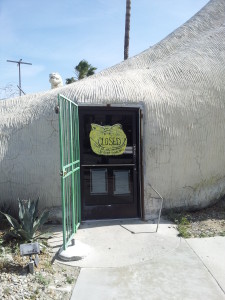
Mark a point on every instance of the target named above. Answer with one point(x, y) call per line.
point(63, 173)
point(31, 267)
point(57, 109)
point(161, 204)
point(36, 260)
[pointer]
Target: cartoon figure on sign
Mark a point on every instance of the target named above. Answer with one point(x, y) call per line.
point(108, 140)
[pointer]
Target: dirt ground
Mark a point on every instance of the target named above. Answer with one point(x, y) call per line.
point(51, 280)
point(207, 222)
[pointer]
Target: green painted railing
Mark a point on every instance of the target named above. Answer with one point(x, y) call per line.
point(70, 167)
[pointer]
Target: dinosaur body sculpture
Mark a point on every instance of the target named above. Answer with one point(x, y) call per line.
point(179, 83)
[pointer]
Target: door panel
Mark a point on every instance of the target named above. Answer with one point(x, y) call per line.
point(109, 144)
point(105, 187)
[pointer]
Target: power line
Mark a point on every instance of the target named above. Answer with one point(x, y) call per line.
point(19, 62)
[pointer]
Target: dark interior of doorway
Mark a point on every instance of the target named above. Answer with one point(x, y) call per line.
point(110, 184)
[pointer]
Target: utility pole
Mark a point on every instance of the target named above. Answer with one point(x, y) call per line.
point(19, 62)
point(127, 29)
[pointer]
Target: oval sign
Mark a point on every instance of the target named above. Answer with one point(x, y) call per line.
point(107, 140)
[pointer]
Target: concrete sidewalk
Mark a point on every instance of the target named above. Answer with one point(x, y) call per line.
point(211, 251)
point(128, 260)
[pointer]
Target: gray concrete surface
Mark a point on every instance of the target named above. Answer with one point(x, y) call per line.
point(121, 243)
point(128, 260)
point(212, 253)
point(178, 274)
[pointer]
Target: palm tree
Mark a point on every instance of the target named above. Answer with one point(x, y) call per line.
point(82, 70)
point(70, 80)
point(127, 29)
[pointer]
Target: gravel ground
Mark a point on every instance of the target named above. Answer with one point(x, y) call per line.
point(51, 280)
point(207, 222)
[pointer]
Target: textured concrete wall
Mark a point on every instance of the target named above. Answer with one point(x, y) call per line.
point(29, 151)
point(180, 83)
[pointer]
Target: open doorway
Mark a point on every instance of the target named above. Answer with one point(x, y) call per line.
point(110, 162)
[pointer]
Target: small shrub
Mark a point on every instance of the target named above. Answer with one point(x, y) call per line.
point(29, 223)
point(222, 233)
point(182, 222)
point(203, 235)
point(183, 231)
point(69, 279)
point(41, 279)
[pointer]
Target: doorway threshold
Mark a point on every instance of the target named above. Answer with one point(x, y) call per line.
point(109, 220)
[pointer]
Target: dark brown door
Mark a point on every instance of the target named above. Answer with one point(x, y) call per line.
point(109, 151)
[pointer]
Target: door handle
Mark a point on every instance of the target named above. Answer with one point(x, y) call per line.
point(134, 152)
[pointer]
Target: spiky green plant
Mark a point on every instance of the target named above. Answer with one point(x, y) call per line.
point(29, 222)
point(6, 209)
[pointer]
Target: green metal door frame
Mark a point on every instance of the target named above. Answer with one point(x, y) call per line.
point(70, 167)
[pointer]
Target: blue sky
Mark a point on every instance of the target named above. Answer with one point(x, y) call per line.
point(54, 35)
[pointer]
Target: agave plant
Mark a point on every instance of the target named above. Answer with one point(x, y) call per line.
point(5, 208)
point(29, 222)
